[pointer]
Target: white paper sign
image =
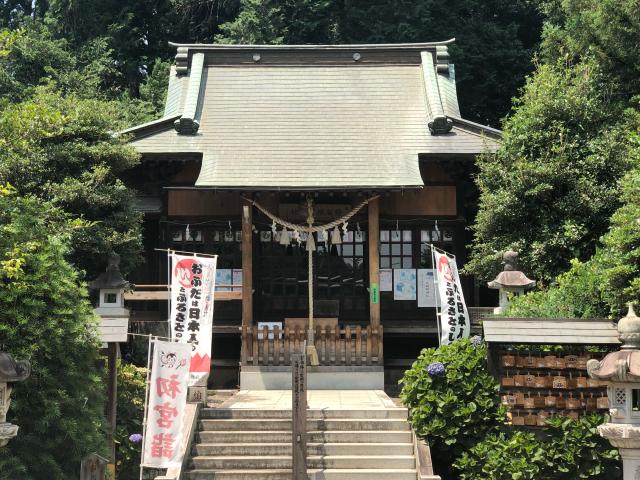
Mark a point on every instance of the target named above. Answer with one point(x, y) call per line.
point(167, 401)
point(386, 280)
point(224, 276)
point(192, 289)
point(426, 288)
point(454, 317)
point(404, 284)
point(237, 279)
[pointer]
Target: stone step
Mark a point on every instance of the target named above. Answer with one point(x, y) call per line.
point(283, 424)
point(231, 436)
point(313, 461)
point(278, 449)
point(242, 413)
point(285, 474)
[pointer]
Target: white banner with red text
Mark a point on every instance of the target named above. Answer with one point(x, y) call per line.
point(167, 401)
point(454, 316)
point(193, 282)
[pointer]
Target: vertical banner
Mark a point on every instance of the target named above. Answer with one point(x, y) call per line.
point(454, 316)
point(167, 401)
point(193, 282)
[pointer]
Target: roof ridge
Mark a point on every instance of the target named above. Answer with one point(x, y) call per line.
point(373, 46)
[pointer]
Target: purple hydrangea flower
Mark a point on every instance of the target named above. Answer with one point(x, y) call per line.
point(135, 438)
point(435, 369)
point(476, 340)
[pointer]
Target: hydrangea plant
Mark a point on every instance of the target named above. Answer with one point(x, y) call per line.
point(452, 398)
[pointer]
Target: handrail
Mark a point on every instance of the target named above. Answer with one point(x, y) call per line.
point(424, 465)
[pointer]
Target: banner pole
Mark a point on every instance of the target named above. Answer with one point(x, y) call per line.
point(437, 292)
point(146, 404)
point(169, 265)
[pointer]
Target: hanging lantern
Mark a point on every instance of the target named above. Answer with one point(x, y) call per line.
point(284, 237)
point(336, 238)
point(311, 244)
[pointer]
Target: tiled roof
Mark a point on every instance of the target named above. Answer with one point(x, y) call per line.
point(310, 118)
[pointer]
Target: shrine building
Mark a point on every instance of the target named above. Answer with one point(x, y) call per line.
point(251, 131)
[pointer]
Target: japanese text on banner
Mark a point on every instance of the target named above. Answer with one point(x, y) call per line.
point(454, 316)
point(167, 401)
point(192, 293)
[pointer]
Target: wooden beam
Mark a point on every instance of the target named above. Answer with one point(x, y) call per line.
point(140, 295)
point(374, 262)
point(247, 272)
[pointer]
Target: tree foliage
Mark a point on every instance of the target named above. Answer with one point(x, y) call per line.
point(60, 148)
point(603, 284)
point(131, 391)
point(551, 188)
point(45, 317)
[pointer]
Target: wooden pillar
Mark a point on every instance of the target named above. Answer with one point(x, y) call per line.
point(247, 275)
point(299, 415)
point(112, 398)
point(374, 262)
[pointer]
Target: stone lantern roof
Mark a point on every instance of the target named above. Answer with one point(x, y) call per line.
point(111, 278)
point(12, 371)
point(510, 277)
point(623, 365)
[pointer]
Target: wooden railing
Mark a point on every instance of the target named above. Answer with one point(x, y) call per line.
point(335, 346)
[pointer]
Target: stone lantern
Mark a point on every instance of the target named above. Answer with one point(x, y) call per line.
point(510, 281)
point(114, 326)
point(622, 371)
point(10, 373)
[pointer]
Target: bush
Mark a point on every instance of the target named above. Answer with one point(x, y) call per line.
point(503, 456)
point(131, 390)
point(571, 450)
point(455, 405)
point(46, 317)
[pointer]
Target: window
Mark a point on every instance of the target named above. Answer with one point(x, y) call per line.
point(635, 406)
point(440, 238)
point(396, 250)
point(110, 297)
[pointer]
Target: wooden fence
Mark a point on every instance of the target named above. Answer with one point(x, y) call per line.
point(335, 345)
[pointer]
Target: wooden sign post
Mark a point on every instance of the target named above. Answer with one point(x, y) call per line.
point(299, 415)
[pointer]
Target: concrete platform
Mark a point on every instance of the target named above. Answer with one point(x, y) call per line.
point(316, 399)
point(354, 377)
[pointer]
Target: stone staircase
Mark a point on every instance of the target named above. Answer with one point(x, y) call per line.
point(255, 444)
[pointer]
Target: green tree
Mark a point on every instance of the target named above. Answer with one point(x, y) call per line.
point(603, 284)
point(551, 188)
point(61, 149)
point(45, 317)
